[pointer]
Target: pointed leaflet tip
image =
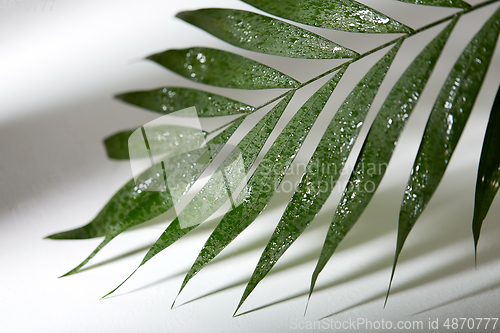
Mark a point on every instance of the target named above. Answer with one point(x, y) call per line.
point(154, 57)
point(112, 291)
point(120, 97)
point(186, 279)
point(390, 282)
point(78, 233)
point(249, 148)
point(106, 240)
point(71, 272)
point(341, 134)
point(278, 159)
point(307, 303)
point(314, 278)
point(475, 238)
point(380, 143)
point(150, 202)
point(488, 174)
point(237, 308)
point(175, 299)
point(249, 288)
point(441, 136)
point(184, 15)
point(475, 257)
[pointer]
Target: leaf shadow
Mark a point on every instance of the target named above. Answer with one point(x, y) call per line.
point(149, 285)
point(323, 219)
point(444, 271)
point(45, 150)
point(359, 236)
point(201, 229)
point(383, 263)
point(356, 236)
point(488, 288)
point(305, 258)
point(116, 258)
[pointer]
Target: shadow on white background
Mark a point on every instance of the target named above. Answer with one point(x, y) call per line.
point(59, 72)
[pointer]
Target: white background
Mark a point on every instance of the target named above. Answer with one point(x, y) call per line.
point(59, 70)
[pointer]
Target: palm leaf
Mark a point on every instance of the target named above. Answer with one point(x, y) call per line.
point(252, 31)
point(166, 139)
point(255, 32)
point(379, 146)
point(323, 170)
point(215, 191)
point(345, 15)
point(222, 69)
point(444, 128)
point(488, 175)
point(133, 204)
point(266, 178)
point(170, 99)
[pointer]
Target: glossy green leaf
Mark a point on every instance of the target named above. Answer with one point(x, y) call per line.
point(266, 178)
point(215, 192)
point(444, 127)
point(255, 32)
point(379, 146)
point(323, 170)
point(130, 195)
point(229, 175)
point(117, 145)
point(222, 69)
point(162, 139)
point(345, 15)
point(171, 99)
point(136, 202)
point(488, 175)
point(440, 3)
point(133, 204)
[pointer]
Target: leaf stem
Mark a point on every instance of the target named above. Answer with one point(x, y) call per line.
point(378, 48)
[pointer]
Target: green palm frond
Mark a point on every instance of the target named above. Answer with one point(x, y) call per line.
point(249, 181)
point(488, 174)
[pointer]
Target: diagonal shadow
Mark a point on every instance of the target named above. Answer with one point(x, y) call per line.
point(305, 258)
point(321, 220)
point(117, 258)
point(205, 226)
point(488, 288)
point(412, 252)
point(149, 285)
point(457, 266)
point(356, 237)
point(382, 264)
point(43, 151)
point(415, 251)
